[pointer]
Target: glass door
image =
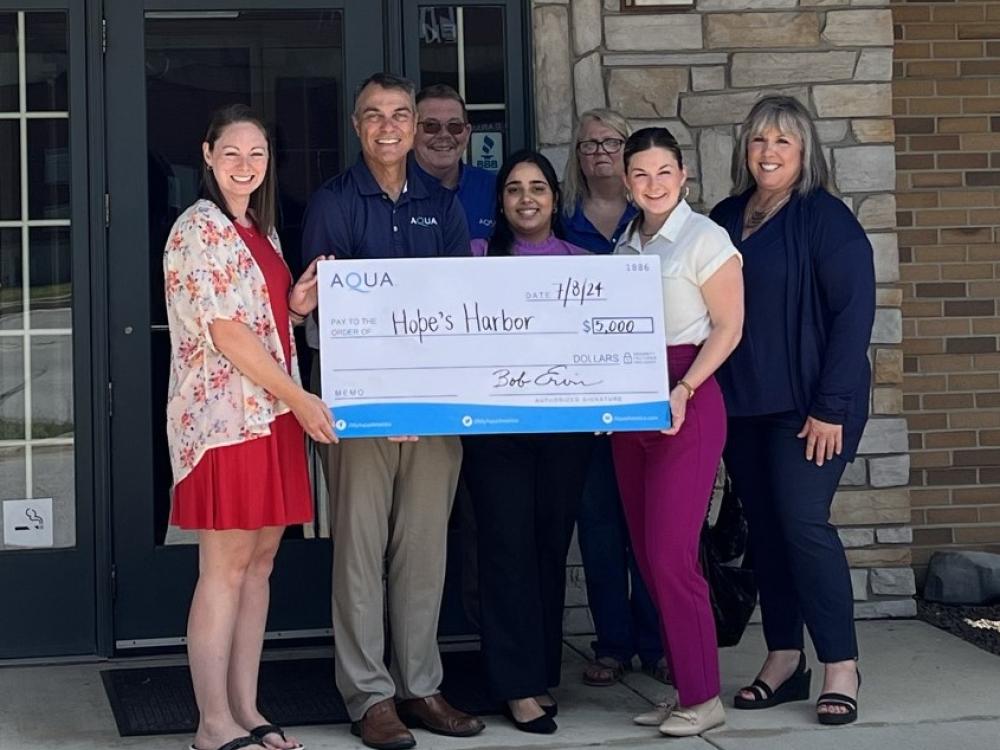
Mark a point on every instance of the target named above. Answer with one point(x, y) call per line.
point(169, 64)
point(46, 419)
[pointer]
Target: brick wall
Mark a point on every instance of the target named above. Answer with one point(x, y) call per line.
point(698, 72)
point(946, 101)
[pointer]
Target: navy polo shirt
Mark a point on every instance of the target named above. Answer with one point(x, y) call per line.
point(351, 217)
point(578, 230)
point(477, 193)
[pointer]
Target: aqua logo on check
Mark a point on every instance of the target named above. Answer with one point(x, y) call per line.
point(361, 282)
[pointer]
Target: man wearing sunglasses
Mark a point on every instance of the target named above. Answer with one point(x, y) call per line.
point(443, 132)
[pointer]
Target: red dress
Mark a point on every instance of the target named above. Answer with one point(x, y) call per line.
point(263, 481)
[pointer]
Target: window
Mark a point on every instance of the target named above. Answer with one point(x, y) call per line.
point(36, 325)
point(464, 47)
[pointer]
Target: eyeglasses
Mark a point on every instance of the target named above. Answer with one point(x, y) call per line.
point(433, 127)
point(608, 146)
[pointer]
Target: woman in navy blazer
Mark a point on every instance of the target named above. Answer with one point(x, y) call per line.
point(796, 391)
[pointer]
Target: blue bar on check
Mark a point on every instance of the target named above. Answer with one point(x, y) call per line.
point(381, 419)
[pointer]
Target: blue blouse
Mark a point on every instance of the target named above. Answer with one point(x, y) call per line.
point(579, 230)
point(828, 308)
point(757, 377)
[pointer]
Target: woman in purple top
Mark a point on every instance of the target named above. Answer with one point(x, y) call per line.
point(525, 489)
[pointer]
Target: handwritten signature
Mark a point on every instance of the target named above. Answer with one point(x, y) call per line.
point(553, 376)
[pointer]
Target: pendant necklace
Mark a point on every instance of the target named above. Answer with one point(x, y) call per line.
point(757, 216)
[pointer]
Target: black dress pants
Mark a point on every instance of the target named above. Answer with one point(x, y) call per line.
point(798, 558)
point(526, 491)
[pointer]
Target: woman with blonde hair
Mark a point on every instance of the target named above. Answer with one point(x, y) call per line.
point(595, 215)
point(796, 391)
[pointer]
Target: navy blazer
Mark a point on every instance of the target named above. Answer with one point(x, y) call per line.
point(829, 307)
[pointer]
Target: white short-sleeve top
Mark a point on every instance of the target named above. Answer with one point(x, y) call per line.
point(691, 247)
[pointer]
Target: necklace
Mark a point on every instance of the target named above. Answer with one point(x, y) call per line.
point(756, 216)
point(648, 235)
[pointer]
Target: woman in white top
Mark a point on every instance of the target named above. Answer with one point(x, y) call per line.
point(666, 478)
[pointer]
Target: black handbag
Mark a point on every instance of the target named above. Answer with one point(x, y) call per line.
point(732, 589)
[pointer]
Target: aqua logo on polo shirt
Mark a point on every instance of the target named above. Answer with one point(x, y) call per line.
point(424, 221)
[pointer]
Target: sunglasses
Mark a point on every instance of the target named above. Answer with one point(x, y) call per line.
point(608, 146)
point(433, 127)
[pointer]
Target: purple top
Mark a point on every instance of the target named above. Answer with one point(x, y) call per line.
point(552, 246)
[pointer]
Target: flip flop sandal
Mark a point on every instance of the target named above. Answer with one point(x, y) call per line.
point(259, 733)
point(238, 744)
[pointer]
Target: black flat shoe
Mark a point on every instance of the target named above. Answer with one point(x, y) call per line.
point(541, 725)
point(553, 710)
point(795, 688)
point(839, 699)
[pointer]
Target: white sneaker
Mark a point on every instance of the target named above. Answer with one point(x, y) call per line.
point(687, 722)
point(655, 716)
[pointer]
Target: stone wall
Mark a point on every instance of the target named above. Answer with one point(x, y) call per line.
point(698, 72)
point(947, 104)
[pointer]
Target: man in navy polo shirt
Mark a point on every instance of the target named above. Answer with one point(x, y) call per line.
point(389, 499)
point(443, 132)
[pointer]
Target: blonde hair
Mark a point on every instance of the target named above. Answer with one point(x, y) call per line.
point(786, 114)
point(574, 186)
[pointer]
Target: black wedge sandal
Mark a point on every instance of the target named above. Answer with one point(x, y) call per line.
point(795, 688)
point(839, 699)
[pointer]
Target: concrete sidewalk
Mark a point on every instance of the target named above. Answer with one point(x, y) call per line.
point(923, 690)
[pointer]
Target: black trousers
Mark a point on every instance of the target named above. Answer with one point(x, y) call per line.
point(798, 558)
point(526, 492)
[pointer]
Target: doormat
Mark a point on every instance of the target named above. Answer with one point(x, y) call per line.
point(294, 692)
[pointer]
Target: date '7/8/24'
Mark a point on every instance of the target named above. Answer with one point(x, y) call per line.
point(579, 291)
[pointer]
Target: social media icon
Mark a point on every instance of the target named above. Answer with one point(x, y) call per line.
point(467, 421)
point(607, 418)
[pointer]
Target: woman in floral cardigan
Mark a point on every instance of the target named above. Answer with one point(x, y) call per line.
point(236, 414)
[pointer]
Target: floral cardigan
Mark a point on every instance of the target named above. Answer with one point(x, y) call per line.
point(209, 274)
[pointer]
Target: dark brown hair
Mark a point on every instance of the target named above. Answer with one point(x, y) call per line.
point(387, 81)
point(644, 140)
point(442, 91)
point(263, 199)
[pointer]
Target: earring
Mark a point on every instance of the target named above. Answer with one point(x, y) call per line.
point(687, 192)
point(628, 195)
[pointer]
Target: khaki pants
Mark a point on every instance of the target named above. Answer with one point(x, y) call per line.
point(389, 508)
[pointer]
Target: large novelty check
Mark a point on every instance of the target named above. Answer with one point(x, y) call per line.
point(459, 346)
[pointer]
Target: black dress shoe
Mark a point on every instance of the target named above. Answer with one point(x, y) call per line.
point(541, 725)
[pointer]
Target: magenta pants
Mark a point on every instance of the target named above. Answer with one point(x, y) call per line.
point(666, 483)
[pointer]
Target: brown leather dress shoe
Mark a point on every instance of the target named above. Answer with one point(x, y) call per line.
point(434, 714)
point(381, 728)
